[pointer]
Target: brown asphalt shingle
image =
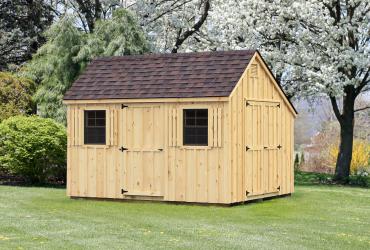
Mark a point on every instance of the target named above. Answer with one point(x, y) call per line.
point(204, 74)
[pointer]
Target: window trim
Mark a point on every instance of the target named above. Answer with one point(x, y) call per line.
point(194, 146)
point(101, 145)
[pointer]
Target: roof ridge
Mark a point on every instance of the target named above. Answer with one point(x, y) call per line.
point(182, 54)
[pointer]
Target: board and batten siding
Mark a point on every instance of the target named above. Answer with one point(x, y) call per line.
point(156, 165)
point(261, 134)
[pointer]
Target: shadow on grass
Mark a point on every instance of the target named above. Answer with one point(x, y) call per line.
point(8, 180)
point(32, 185)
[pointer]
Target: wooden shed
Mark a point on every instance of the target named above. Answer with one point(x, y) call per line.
point(210, 127)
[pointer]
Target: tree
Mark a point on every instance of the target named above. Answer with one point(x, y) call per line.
point(15, 95)
point(174, 24)
point(171, 25)
point(54, 67)
point(315, 47)
point(87, 12)
point(22, 23)
point(111, 38)
point(296, 162)
point(68, 50)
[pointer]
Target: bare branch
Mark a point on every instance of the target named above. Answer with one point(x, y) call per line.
point(181, 38)
point(364, 82)
point(173, 7)
point(360, 109)
point(336, 109)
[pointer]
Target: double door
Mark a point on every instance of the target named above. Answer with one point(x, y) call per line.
point(262, 146)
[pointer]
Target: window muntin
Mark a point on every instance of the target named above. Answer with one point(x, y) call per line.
point(195, 129)
point(94, 128)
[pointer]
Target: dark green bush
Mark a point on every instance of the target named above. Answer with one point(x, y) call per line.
point(34, 148)
point(362, 180)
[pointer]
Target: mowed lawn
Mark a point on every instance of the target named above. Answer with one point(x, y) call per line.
point(315, 217)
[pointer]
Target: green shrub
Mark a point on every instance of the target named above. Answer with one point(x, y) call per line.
point(361, 179)
point(33, 147)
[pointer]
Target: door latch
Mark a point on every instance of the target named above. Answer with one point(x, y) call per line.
point(122, 149)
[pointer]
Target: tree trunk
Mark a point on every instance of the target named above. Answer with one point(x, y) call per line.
point(343, 165)
point(344, 159)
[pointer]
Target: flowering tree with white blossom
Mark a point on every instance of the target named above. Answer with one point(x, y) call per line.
point(172, 25)
point(315, 47)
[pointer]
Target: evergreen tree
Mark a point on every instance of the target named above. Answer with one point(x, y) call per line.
point(68, 50)
point(54, 67)
point(296, 162)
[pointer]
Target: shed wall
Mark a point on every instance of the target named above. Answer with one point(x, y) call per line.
point(262, 169)
point(156, 164)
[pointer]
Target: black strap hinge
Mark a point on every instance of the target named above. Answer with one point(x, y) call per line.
point(123, 191)
point(123, 106)
point(247, 148)
point(279, 147)
point(278, 188)
point(122, 149)
point(246, 192)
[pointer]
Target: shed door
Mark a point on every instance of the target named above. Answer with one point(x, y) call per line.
point(143, 139)
point(261, 147)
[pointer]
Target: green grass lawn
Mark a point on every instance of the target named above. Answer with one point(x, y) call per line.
point(315, 217)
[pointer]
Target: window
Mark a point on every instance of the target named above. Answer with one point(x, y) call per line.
point(196, 127)
point(94, 127)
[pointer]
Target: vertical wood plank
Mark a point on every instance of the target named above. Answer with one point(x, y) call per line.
point(219, 127)
point(179, 122)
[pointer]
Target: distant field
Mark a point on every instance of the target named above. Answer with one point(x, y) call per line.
point(315, 217)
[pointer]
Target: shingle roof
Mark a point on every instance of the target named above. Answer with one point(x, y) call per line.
point(204, 74)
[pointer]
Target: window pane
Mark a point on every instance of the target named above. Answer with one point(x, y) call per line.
point(202, 140)
point(94, 127)
point(195, 127)
point(90, 114)
point(90, 122)
point(100, 122)
point(202, 121)
point(202, 131)
point(100, 114)
point(190, 121)
point(190, 131)
point(190, 113)
point(202, 113)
